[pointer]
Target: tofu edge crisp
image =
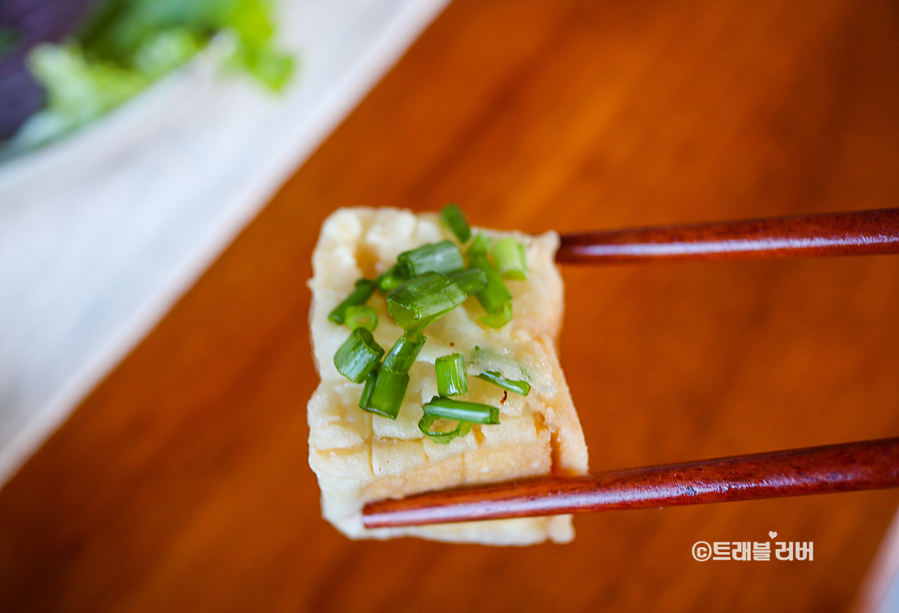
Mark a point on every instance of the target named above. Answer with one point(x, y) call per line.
point(359, 457)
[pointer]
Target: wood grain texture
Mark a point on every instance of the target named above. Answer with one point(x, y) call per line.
point(181, 483)
point(840, 233)
point(844, 467)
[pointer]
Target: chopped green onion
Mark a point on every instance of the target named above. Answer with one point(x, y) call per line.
point(384, 392)
point(361, 316)
point(518, 387)
point(494, 296)
point(442, 257)
point(390, 279)
point(479, 246)
point(363, 291)
point(358, 355)
point(471, 281)
point(443, 438)
point(402, 355)
point(369, 386)
point(510, 258)
point(461, 410)
point(499, 318)
point(422, 299)
point(424, 284)
point(450, 371)
point(452, 218)
point(465, 413)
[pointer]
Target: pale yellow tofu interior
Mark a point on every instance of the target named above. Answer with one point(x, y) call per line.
point(359, 457)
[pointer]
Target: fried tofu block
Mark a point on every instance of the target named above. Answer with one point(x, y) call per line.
point(359, 457)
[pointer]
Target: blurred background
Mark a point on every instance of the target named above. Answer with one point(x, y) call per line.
point(154, 248)
point(123, 177)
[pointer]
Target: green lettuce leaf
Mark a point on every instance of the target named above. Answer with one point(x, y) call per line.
point(128, 44)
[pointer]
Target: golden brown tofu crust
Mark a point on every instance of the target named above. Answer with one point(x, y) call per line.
point(359, 457)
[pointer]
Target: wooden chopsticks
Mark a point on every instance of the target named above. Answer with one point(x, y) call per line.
point(816, 470)
point(850, 233)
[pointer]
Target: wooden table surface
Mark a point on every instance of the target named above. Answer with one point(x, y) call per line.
point(181, 483)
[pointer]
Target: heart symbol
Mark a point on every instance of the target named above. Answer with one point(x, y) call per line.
point(772, 534)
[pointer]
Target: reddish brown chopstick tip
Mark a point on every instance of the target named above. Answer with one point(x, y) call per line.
point(817, 470)
point(846, 233)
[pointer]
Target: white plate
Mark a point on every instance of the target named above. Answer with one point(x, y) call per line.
point(101, 232)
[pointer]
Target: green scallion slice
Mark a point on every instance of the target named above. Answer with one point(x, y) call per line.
point(471, 281)
point(384, 392)
point(442, 257)
point(358, 355)
point(499, 318)
point(466, 413)
point(363, 291)
point(452, 218)
point(361, 316)
point(451, 380)
point(479, 246)
point(402, 355)
point(518, 387)
point(510, 258)
point(390, 279)
point(422, 299)
point(462, 428)
point(369, 386)
point(494, 296)
point(461, 410)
